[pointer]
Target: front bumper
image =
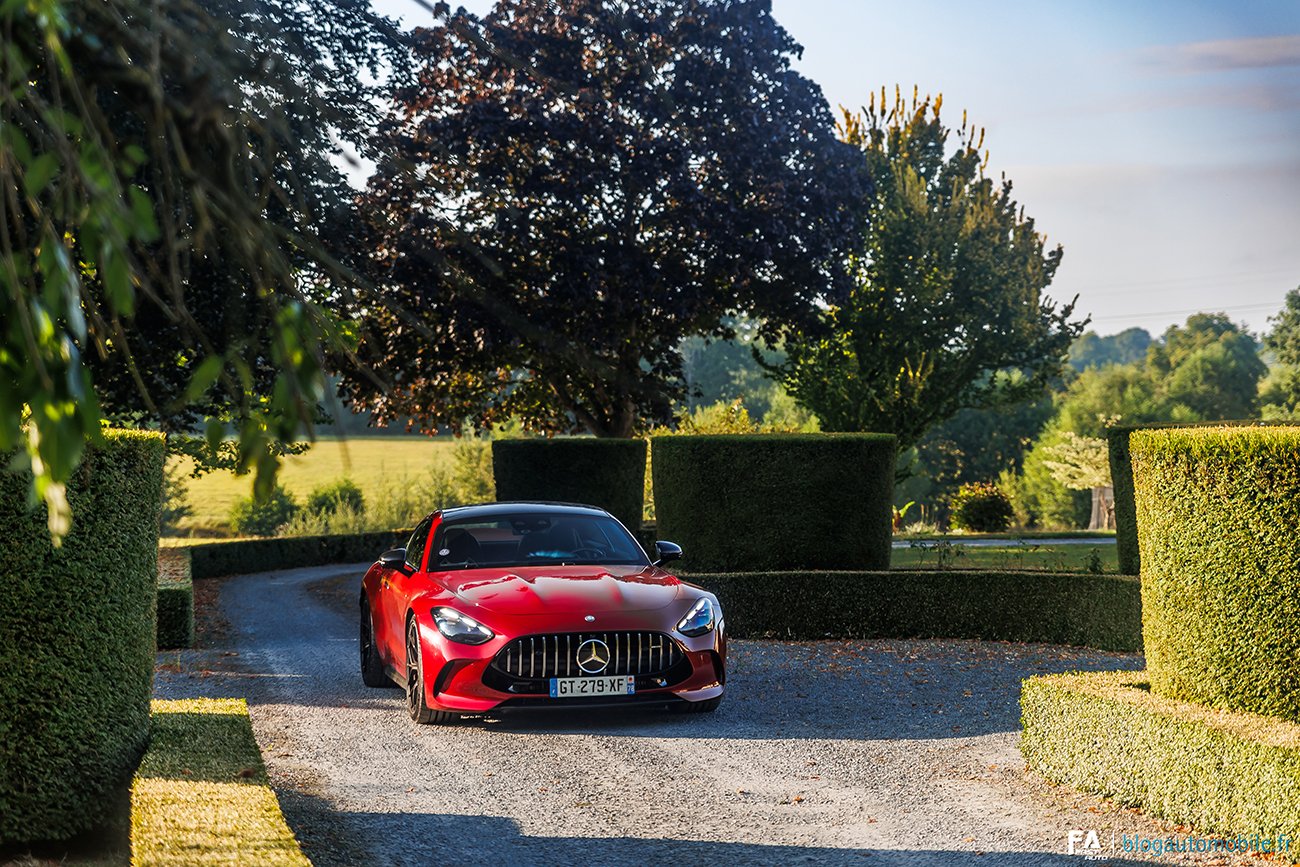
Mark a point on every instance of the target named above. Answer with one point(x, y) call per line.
point(459, 678)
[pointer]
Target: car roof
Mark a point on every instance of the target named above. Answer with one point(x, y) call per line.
point(532, 507)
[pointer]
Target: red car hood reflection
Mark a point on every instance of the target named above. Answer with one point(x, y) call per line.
point(564, 589)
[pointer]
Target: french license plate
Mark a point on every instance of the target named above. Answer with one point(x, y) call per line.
point(585, 687)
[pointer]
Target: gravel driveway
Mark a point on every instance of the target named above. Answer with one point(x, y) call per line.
point(844, 752)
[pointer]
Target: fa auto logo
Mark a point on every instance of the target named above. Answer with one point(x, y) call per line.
point(1086, 843)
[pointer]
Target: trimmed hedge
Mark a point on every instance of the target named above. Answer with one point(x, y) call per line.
point(76, 662)
point(245, 556)
point(1230, 774)
point(609, 473)
point(175, 599)
point(1121, 475)
point(1217, 516)
point(201, 795)
point(765, 502)
point(1101, 611)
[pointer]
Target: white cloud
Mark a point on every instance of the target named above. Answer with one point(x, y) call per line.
point(1225, 54)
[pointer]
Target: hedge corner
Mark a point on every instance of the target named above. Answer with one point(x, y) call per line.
point(603, 472)
point(1225, 773)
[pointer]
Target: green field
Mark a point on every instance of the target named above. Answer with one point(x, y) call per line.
point(1054, 558)
point(373, 463)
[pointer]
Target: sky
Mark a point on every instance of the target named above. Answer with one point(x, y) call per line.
point(1157, 142)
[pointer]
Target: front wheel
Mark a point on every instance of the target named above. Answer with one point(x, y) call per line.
point(372, 667)
point(415, 703)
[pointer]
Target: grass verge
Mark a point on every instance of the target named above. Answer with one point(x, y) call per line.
point(1225, 773)
point(201, 796)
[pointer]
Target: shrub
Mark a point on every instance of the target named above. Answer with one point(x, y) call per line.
point(201, 795)
point(1229, 774)
point(1217, 511)
point(175, 501)
point(245, 556)
point(776, 501)
point(254, 517)
point(77, 658)
point(980, 507)
point(609, 473)
point(1102, 611)
point(328, 499)
point(1121, 473)
point(175, 599)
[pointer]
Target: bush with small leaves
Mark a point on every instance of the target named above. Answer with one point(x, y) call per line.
point(981, 507)
point(254, 517)
point(327, 499)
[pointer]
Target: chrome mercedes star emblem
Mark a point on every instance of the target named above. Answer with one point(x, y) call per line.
point(593, 656)
point(590, 618)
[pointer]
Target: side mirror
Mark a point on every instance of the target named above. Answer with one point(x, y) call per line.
point(666, 552)
point(394, 558)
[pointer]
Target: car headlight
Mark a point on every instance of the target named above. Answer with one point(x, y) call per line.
point(699, 620)
point(461, 627)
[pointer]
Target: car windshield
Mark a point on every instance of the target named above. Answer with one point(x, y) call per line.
point(533, 539)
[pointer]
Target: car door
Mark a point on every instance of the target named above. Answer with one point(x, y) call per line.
point(394, 590)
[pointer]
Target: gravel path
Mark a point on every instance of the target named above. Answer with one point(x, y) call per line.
point(834, 752)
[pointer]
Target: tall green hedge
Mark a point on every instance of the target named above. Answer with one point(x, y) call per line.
point(77, 655)
point(1121, 474)
point(1102, 611)
point(609, 473)
point(245, 556)
point(764, 502)
point(1217, 516)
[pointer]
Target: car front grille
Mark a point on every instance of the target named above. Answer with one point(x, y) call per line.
point(545, 656)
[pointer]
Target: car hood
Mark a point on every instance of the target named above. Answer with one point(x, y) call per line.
point(564, 589)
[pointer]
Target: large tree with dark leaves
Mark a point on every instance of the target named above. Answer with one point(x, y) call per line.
point(594, 180)
point(949, 310)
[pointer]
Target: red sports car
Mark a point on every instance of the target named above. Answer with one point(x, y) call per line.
point(510, 605)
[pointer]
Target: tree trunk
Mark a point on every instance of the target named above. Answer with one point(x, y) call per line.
point(1103, 509)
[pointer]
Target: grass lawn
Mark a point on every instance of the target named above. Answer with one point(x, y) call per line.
point(373, 463)
point(1052, 558)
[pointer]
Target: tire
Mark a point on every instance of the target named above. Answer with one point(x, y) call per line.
point(415, 703)
point(372, 667)
point(709, 705)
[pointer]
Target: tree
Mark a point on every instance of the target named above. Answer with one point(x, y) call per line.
point(1279, 393)
point(948, 297)
point(1126, 347)
point(594, 181)
point(1208, 369)
point(160, 162)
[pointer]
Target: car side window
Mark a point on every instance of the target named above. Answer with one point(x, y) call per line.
point(415, 547)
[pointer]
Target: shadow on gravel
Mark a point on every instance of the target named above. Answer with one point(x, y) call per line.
point(417, 839)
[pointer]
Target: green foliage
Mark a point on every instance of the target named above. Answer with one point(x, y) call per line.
point(169, 167)
point(263, 516)
point(175, 615)
point(1059, 608)
point(1280, 392)
point(1121, 473)
point(608, 473)
point(776, 501)
point(972, 446)
point(1217, 509)
point(175, 501)
point(201, 795)
point(1079, 463)
point(948, 296)
point(1126, 347)
point(640, 180)
point(980, 507)
point(1226, 774)
point(76, 662)
point(1039, 500)
point(246, 556)
point(328, 499)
